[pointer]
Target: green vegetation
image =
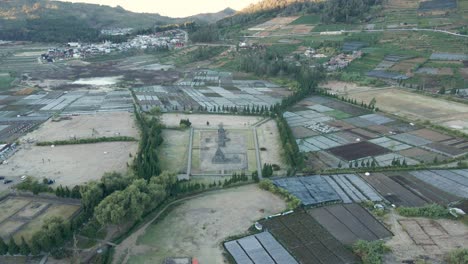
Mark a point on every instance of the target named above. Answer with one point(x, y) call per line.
point(458, 256)
point(431, 211)
point(292, 201)
point(348, 10)
point(33, 185)
point(86, 141)
point(203, 53)
point(370, 252)
point(307, 20)
point(5, 81)
point(129, 204)
point(146, 163)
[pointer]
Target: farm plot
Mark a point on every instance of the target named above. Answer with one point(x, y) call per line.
point(366, 149)
point(387, 159)
point(197, 227)
point(352, 188)
point(419, 238)
point(23, 216)
point(414, 106)
point(451, 181)
point(393, 191)
point(319, 143)
point(349, 223)
point(307, 240)
point(322, 160)
point(274, 24)
point(423, 156)
point(312, 190)
point(259, 249)
point(316, 190)
point(424, 190)
point(446, 150)
point(390, 144)
point(411, 139)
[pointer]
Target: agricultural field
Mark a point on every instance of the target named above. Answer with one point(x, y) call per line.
point(419, 238)
point(210, 91)
point(23, 216)
point(260, 248)
point(350, 223)
point(318, 190)
point(307, 240)
point(417, 107)
point(196, 227)
point(418, 188)
point(330, 132)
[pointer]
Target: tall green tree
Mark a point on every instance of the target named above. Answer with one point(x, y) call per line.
point(24, 248)
point(13, 248)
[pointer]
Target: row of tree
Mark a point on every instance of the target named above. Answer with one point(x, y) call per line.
point(245, 110)
point(146, 163)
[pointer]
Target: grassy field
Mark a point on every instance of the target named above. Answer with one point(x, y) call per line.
point(173, 153)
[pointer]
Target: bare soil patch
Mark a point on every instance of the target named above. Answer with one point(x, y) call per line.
point(416, 238)
point(414, 106)
point(197, 227)
point(270, 144)
point(87, 126)
point(71, 164)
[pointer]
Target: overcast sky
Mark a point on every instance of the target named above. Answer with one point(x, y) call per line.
point(173, 8)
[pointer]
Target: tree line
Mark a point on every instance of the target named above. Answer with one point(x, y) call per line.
point(85, 141)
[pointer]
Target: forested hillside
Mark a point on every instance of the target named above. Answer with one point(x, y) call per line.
point(46, 20)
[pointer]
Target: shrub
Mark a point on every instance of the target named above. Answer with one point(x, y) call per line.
point(432, 211)
point(458, 256)
point(370, 252)
point(293, 201)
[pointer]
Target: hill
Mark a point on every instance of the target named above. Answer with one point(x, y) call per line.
point(47, 20)
point(212, 17)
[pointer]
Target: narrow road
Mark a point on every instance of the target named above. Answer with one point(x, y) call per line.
point(189, 162)
point(257, 153)
point(365, 30)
